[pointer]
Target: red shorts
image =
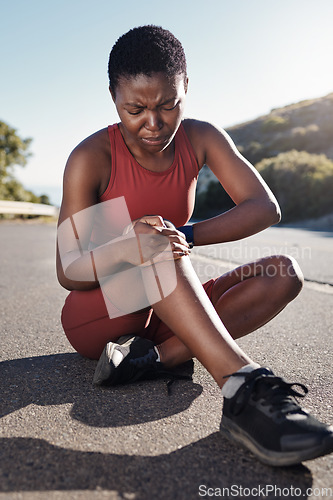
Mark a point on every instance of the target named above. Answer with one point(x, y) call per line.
point(88, 327)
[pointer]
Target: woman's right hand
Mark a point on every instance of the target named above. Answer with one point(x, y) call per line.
point(151, 238)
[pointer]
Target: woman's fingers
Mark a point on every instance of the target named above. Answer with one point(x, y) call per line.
point(153, 220)
point(158, 240)
point(158, 247)
point(175, 236)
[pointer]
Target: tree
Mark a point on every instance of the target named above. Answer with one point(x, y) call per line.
point(13, 151)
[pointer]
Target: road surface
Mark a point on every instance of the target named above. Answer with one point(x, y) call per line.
point(61, 438)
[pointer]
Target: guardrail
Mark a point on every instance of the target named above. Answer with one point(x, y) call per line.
point(27, 208)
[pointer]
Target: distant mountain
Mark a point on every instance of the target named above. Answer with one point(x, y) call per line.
point(304, 126)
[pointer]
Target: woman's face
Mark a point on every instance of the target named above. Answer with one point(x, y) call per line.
point(150, 109)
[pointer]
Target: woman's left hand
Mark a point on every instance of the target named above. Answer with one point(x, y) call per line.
point(177, 240)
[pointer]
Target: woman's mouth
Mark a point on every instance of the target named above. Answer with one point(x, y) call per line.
point(154, 141)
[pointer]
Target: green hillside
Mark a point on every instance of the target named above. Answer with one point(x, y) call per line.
point(304, 126)
point(292, 148)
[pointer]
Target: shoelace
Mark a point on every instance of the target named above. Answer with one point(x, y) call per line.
point(148, 361)
point(275, 390)
point(173, 377)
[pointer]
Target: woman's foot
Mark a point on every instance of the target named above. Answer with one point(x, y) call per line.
point(129, 359)
point(264, 417)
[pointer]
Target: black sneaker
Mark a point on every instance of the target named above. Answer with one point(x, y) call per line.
point(264, 417)
point(127, 360)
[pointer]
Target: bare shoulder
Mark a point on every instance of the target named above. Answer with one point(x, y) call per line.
point(205, 137)
point(90, 160)
point(93, 148)
point(87, 173)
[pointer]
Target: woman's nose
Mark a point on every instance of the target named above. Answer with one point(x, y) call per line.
point(153, 121)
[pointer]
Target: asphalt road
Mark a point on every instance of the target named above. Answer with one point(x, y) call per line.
point(61, 438)
point(313, 250)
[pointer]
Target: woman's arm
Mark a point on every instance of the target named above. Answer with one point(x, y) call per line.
point(85, 179)
point(81, 188)
point(81, 269)
point(256, 207)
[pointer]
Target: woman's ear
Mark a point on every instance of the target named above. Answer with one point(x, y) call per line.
point(186, 85)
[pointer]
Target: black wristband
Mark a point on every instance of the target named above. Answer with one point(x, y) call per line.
point(188, 231)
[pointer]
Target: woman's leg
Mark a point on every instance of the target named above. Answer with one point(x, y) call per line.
point(245, 299)
point(251, 295)
point(189, 313)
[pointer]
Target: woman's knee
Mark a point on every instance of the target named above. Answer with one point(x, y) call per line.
point(287, 273)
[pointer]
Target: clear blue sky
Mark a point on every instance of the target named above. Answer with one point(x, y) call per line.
point(245, 57)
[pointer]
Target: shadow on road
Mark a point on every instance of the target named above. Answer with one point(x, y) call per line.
point(177, 475)
point(29, 464)
point(67, 378)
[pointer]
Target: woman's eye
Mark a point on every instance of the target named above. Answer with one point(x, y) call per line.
point(170, 108)
point(134, 112)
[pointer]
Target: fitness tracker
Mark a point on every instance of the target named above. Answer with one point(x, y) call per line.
point(188, 231)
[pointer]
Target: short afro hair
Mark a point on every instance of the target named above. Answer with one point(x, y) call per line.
point(143, 51)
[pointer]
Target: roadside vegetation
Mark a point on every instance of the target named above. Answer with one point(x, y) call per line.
point(292, 148)
point(14, 151)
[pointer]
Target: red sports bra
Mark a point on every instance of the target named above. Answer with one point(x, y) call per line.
point(134, 191)
point(170, 194)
